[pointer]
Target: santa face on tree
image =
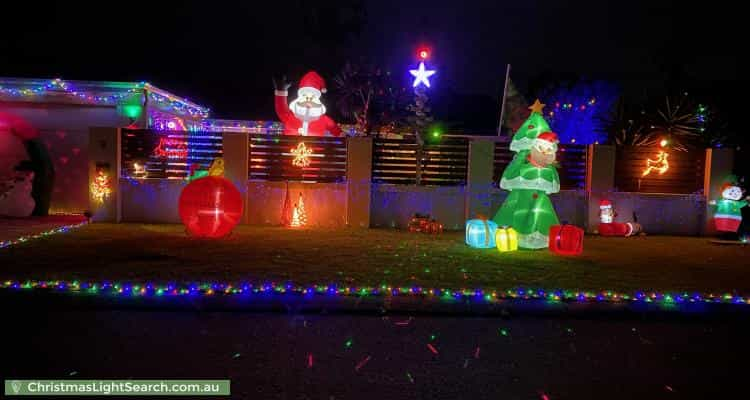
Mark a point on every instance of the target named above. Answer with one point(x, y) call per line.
point(544, 150)
point(305, 115)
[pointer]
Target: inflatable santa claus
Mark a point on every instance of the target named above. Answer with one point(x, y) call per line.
point(608, 226)
point(305, 115)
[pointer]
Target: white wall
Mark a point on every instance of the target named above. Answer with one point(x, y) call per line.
point(393, 205)
point(668, 214)
point(151, 200)
point(325, 203)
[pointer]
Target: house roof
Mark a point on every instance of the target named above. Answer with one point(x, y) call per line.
point(103, 93)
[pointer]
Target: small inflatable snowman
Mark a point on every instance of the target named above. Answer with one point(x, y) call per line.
point(16, 200)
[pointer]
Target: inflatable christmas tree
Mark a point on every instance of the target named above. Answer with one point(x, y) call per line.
point(530, 178)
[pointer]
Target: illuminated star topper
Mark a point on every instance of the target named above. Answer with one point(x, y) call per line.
point(301, 155)
point(421, 75)
point(537, 106)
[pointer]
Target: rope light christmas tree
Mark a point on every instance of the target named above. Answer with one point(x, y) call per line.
point(299, 215)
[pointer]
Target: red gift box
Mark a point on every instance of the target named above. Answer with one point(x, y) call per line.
point(566, 240)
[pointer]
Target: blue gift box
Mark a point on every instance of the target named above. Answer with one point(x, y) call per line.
point(480, 233)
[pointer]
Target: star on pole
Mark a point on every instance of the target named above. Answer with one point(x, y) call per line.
point(421, 75)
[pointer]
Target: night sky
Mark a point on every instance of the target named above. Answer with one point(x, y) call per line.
point(223, 54)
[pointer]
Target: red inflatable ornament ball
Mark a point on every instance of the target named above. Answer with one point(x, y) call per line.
point(210, 207)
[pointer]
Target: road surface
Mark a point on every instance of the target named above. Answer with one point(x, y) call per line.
point(271, 355)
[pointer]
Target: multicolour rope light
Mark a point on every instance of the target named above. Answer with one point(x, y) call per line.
point(61, 86)
point(248, 289)
point(123, 92)
point(54, 231)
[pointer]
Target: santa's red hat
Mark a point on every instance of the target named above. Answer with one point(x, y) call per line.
point(311, 82)
point(547, 139)
point(550, 137)
point(604, 204)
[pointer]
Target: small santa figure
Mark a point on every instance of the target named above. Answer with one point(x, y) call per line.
point(729, 209)
point(606, 212)
point(305, 115)
point(608, 226)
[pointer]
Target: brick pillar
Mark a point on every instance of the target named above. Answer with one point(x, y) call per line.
point(104, 154)
point(358, 181)
point(600, 179)
point(236, 156)
point(479, 178)
point(719, 165)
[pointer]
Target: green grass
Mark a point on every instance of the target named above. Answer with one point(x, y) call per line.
point(162, 253)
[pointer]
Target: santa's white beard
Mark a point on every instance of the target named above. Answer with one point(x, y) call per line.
point(304, 113)
point(542, 157)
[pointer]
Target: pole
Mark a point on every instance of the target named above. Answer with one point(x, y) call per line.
point(502, 105)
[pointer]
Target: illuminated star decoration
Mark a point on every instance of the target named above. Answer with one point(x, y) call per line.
point(301, 155)
point(661, 164)
point(537, 106)
point(421, 75)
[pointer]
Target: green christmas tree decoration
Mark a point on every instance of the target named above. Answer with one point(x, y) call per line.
point(528, 208)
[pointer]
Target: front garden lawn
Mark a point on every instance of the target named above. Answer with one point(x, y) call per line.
point(163, 253)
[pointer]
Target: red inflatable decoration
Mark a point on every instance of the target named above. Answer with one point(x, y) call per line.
point(210, 207)
point(17, 126)
point(608, 226)
point(566, 240)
